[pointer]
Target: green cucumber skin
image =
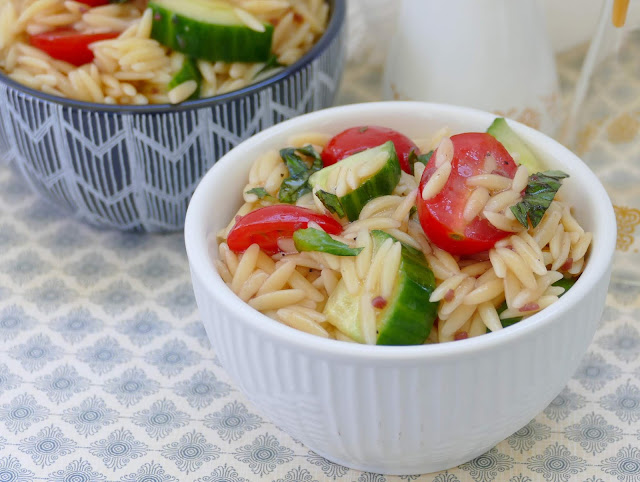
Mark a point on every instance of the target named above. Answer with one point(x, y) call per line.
point(565, 283)
point(409, 317)
point(501, 130)
point(227, 43)
point(189, 71)
point(381, 183)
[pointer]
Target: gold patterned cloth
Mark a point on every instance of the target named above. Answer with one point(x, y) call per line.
point(608, 139)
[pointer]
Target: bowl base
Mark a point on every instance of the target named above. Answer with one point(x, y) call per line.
point(426, 467)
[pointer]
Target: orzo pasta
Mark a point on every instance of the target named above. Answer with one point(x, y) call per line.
point(153, 51)
point(363, 238)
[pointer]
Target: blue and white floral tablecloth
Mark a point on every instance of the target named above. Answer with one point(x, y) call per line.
point(106, 373)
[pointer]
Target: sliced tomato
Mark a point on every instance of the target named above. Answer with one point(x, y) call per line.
point(356, 139)
point(94, 3)
point(69, 45)
point(265, 226)
point(441, 217)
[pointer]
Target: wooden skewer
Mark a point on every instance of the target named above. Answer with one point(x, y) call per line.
point(619, 15)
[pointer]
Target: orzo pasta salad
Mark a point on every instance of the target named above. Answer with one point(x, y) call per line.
point(153, 51)
point(371, 237)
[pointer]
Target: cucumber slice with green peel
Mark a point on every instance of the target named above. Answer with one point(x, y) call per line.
point(383, 179)
point(514, 145)
point(189, 71)
point(209, 30)
point(565, 283)
point(408, 315)
point(343, 311)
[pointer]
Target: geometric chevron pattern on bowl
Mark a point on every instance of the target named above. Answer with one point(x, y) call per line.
point(135, 168)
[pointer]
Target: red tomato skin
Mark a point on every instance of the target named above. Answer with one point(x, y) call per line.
point(94, 3)
point(441, 216)
point(69, 45)
point(356, 139)
point(266, 225)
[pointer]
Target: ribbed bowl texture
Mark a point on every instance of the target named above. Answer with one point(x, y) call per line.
point(398, 410)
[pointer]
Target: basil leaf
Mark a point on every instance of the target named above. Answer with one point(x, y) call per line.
point(565, 283)
point(538, 195)
point(507, 321)
point(259, 191)
point(297, 184)
point(311, 239)
point(311, 152)
point(423, 158)
point(331, 202)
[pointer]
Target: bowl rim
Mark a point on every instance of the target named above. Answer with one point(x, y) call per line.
point(334, 28)
point(597, 269)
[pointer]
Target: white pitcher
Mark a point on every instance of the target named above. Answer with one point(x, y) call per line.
point(494, 55)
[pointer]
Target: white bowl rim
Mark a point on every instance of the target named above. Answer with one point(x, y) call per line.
point(597, 268)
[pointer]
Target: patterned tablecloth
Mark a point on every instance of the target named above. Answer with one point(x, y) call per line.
point(106, 373)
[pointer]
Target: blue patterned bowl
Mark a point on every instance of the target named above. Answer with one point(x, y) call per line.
point(136, 167)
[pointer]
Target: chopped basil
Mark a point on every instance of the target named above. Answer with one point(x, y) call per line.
point(539, 193)
point(423, 158)
point(297, 184)
point(311, 239)
point(331, 202)
point(258, 191)
point(506, 321)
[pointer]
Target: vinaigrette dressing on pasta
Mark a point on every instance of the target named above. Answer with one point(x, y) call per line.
point(521, 274)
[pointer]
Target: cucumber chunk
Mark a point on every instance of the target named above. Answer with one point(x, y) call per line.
point(408, 316)
point(514, 145)
point(209, 30)
point(189, 71)
point(343, 311)
point(382, 181)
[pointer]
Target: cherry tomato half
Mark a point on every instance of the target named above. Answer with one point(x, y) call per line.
point(94, 3)
point(358, 139)
point(265, 226)
point(441, 217)
point(68, 44)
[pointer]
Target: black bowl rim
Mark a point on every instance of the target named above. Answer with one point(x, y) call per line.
point(334, 28)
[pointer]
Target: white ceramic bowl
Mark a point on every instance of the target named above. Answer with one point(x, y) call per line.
point(398, 410)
